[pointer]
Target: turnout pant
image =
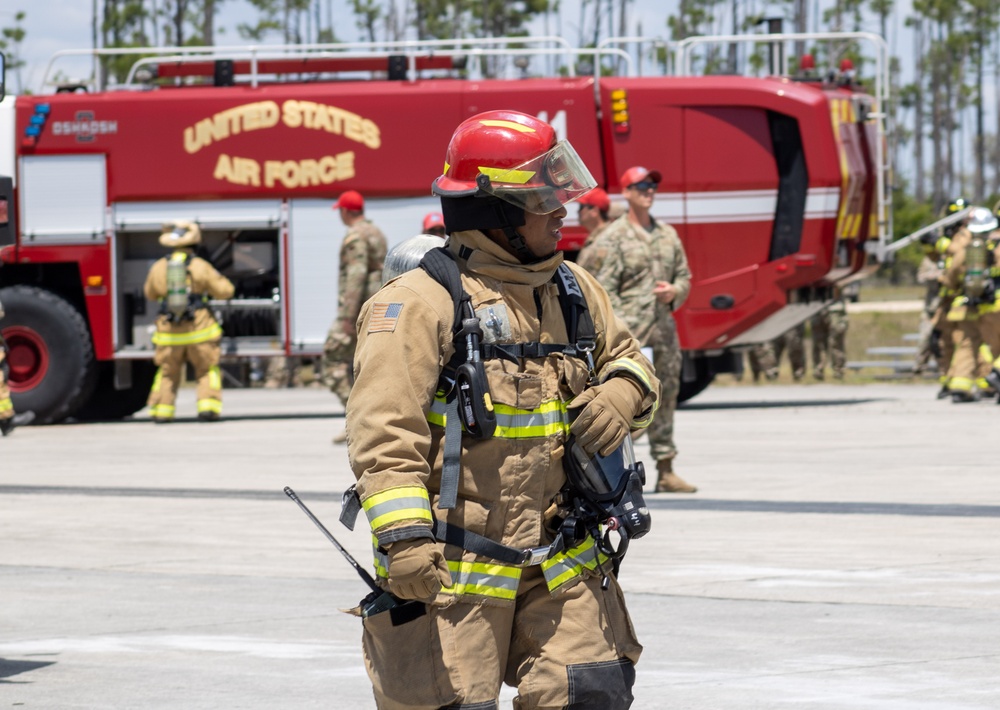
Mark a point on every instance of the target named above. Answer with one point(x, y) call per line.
point(574, 650)
point(6, 405)
point(195, 340)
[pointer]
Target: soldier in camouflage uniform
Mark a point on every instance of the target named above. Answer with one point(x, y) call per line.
point(361, 257)
point(829, 333)
point(765, 358)
point(642, 265)
point(593, 214)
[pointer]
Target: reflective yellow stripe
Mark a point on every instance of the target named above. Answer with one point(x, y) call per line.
point(162, 411)
point(215, 378)
point(469, 579)
point(483, 579)
point(513, 177)
point(960, 384)
point(568, 565)
point(396, 504)
point(192, 337)
point(156, 380)
point(643, 419)
point(210, 404)
point(6, 404)
point(381, 560)
point(632, 367)
point(550, 419)
point(499, 123)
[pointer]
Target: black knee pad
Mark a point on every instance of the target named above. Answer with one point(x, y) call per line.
point(601, 686)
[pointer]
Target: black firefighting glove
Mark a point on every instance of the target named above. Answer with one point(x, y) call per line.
point(605, 414)
point(417, 569)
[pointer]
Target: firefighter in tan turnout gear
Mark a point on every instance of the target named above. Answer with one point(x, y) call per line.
point(186, 329)
point(975, 311)
point(486, 382)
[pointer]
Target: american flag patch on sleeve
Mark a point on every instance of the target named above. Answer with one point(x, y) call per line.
point(384, 317)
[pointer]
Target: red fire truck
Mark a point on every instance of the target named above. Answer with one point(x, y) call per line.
point(776, 186)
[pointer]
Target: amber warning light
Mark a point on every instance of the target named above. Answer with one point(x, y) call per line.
point(619, 111)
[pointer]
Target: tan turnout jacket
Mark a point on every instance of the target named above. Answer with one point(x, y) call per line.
point(395, 423)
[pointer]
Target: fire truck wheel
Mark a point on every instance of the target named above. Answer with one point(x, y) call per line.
point(108, 403)
point(52, 366)
point(703, 377)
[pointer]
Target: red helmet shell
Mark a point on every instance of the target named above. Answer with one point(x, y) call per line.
point(598, 198)
point(491, 141)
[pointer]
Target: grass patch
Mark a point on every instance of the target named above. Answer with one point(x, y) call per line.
point(865, 330)
point(887, 292)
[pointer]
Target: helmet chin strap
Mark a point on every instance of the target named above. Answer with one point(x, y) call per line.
point(514, 238)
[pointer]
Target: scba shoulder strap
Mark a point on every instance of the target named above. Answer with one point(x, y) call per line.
point(440, 265)
point(468, 404)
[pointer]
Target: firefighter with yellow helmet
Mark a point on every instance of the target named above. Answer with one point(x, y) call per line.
point(487, 382)
point(186, 329)
point(973, 274)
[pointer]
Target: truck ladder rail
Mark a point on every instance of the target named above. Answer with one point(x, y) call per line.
point(304, 51)
point(413, 59)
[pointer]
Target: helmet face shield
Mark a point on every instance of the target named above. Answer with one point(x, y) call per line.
point(544, 183)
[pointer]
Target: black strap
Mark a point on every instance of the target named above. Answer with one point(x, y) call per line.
point(476, 543)
point(439, 263)
point(579, 324)
point(518, 351)
point(451, 466)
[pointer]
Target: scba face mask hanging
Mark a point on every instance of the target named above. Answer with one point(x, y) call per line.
point(610, 490)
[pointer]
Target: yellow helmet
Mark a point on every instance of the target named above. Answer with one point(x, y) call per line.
point(180, 233)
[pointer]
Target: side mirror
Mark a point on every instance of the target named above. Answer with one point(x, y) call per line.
point(3, 74)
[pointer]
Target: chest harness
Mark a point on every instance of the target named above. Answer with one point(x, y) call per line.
point(469, 406)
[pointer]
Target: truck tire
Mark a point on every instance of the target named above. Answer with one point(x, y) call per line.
point(703, 377)
point(108, 403)
point(52, 366)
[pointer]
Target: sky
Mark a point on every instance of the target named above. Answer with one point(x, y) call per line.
point(53, 25)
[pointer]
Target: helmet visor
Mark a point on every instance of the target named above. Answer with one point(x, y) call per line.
point(601, 478)
point(543, 184)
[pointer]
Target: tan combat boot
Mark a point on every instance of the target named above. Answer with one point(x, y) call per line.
point(669, 482)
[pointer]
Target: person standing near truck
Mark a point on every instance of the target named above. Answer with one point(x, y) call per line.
point(641, 263)
point(464, 503)
point(593, 214)
point(186, 329)
point(361, 258)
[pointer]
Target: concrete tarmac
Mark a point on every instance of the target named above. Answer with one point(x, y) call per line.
point(842, 552)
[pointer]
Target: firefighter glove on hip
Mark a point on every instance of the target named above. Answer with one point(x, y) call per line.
point(417, 569)
point(605, 415)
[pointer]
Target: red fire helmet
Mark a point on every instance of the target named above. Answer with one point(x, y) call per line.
point(516, 158)
point(598, 198)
